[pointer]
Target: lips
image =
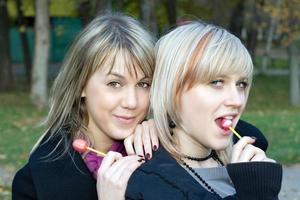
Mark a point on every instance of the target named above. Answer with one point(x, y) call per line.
point(225, 122)
point(125, 119)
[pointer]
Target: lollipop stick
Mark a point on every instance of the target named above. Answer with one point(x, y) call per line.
point(97, 152)
point(234, 132)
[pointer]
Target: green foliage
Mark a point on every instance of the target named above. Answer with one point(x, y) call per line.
point(58, 8)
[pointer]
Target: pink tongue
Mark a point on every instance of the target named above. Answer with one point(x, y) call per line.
point(226, 123)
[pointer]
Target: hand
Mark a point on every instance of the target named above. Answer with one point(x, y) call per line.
point(244, 151)
point(114, 174)
point(143, 141)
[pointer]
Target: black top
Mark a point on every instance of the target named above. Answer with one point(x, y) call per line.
point(68, 177)
point(163, 178)
point(45, 178)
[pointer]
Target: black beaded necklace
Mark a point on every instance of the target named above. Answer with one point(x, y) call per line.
point(213, 155)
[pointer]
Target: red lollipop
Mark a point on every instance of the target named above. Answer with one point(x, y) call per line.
point(81, 146)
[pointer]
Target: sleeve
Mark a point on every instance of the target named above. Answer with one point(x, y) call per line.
point(23, 186)
point(246, 129)
point(256, 180)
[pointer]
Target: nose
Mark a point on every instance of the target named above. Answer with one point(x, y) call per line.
point(130, 100)
point(235, 98)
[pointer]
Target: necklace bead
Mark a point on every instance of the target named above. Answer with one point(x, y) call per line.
point(189, 168)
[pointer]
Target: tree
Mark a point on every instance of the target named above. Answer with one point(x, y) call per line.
point(6, 77)
point(286, 14)
point(25, 44)
point(41, 55)
point(171, 11)
point(88, 9)
point(293, 52)
point(237, 19)
point(147, 14)
point(252, 30)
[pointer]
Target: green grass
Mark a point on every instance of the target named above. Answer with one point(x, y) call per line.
point(268, 109)
point(19, 128)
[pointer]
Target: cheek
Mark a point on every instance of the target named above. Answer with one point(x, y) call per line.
point(99, 100)
point(244, 100)
point(144, 101)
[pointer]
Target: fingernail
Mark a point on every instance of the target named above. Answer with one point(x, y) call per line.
point(147, 156)
point(154, 148)
point(141, 160)
point(254, 138)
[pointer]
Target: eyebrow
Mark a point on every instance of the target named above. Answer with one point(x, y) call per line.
point(123, 77)
point(240, 78)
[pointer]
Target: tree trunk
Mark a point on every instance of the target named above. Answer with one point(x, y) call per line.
point(237, 19)
point(147, 14)
point(6, 77)
point(253, 32)
point(104, 6)
point(25, 44)
point(85, 12)
point(89, 9)
point(41, 55)
point(171, 11)
point(294, 75)
point(271, 31)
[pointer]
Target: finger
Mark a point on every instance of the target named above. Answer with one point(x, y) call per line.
point(146, 140)
point(269, 160)
point(116, 177)
point(239, 146)
point(153, 134)
point(138, 144)
point(128, 171)
point(248, 153)
point(128, 143)
point(115, 172)
point(258, 158)
point(108, 161)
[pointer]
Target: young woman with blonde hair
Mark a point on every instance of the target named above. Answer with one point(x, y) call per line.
point(200, 87)
point(101, 95)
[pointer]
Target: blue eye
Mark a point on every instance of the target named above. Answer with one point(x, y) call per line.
point(242, 84)
point(114, 84)
point(217, 83)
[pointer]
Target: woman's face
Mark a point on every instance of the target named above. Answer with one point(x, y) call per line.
point(204, 106)
point(116, 101)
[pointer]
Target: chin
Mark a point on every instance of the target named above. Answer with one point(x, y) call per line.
point(221, 145)
point(121, 134)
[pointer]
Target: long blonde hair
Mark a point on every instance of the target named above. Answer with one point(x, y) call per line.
point(99, 42)
point(190, 54)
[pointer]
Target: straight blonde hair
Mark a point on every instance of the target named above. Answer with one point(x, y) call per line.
point(190, 54)
point(100, 42)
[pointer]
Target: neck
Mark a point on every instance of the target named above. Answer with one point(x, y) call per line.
point(189, 146)
point(99, 140)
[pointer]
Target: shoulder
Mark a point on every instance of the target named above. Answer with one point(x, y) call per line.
point(22, 186)
point(166, 177)
point(56, 175)
point(247, 129)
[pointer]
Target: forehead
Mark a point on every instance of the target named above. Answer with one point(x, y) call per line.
point(122, 64)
